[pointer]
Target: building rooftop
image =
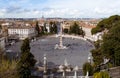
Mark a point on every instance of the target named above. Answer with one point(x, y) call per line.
point(20, 27)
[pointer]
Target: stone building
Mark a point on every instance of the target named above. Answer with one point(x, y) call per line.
point(21, 31)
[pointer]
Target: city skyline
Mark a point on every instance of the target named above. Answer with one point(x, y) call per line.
point(58, 8)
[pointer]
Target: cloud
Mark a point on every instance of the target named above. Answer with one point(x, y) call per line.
point(55, 12)
point(13, 9)
point(103, 10)
point(47, 12)
point(17, 1)
point(59, 8)
point(106, 12)
point(2, 12)
point(62, 12)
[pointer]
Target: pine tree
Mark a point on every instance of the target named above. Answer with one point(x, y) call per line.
point(26, 62)
point(109, 46)
point(51, 27)
point(55, 27)
point(37, 29)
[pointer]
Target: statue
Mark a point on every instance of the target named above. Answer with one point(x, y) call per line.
point(45, 64)
point(87, 75)
point(75, 71)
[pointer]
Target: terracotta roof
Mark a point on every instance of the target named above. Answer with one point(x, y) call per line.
point(83, 24)
point(20, 27)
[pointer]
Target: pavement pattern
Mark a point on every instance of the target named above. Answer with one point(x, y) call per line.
point(76, 54)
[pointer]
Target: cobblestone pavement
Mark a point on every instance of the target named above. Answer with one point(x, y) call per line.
point(76, 54)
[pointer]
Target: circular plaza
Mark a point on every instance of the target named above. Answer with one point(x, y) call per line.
point(76, 53)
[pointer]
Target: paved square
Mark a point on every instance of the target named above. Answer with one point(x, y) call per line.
point(76, 54)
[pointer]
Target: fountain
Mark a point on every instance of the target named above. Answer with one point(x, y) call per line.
point(60, 45)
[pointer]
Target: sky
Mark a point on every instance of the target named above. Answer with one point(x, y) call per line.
point(59, 8)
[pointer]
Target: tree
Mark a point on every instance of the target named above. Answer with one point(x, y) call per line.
point(97, 56)
point(65, 30)
point(111, 44)
point(87, 67)
point(82, 32)
point(45, 29)
point(37, 29)
point(26, 62)
point(108, 47)
point(102, 74)
point(53, 27)
point(95, 52)
point(106, 23)
point(76, 29)
point(1, 55)
point(42, 32)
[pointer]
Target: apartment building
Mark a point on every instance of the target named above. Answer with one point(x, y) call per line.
point(22, 31)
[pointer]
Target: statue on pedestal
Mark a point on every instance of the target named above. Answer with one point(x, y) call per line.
point(45, 64)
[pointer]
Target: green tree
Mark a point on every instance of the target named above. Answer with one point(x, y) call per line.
point(111, 44)
point(37, 29)
point(1, 55)
point(76, 29)
point(53, 27)
point(87, 67)
point(42, 32)
point(82, 32)
point(26, 62)
point(97, 56)
point(102, 74)
point(106, 23)
point(108, 47)
point(65, 31)
point(97, 53)
point(45, 29)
